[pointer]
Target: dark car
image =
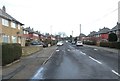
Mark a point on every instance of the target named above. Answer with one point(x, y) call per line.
point(35, 43)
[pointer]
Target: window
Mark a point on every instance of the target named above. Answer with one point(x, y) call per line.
point(5, 22)
point(19, 39)
point(13, 25)
point(14, 39)
point(19, 26)
point(5, 38)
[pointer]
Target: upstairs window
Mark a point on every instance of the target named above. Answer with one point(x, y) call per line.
point(19, 27)
point(13, 25)
point(5, 22)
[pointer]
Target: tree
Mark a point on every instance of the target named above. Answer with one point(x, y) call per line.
point(75, 39)
point(112, 37)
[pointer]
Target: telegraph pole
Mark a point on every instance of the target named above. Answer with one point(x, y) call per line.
point(80, 32)
point(72, 33)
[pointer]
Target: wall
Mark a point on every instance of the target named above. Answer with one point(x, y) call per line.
point(28, 50)
point(104, 36)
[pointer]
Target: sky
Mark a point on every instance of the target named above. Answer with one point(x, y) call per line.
point(53, 16)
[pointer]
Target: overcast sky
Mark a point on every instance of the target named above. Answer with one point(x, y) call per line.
point(64, 15)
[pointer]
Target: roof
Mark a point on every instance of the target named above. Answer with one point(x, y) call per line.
point(83, 35)
point(104, 30)
point(31, 30)
point(116, 27)
point(92, 33)
point(28, 29)
point(3, 14)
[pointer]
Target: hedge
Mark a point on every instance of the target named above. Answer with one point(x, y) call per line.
point(89, 42)
point(110, 44)
point(10, 52)
point(104, 44)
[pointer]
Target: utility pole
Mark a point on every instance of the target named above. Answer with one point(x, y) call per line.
point(118, 24)
point(51, 29)
point(72, 33)
point(80, 32)
point(51, 34)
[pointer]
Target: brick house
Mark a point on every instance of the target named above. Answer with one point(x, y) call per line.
point(101, 35)
point(10, 29)
point(116, 30)
point(30, 34)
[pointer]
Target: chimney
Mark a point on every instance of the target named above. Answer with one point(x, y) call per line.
point(4, 9)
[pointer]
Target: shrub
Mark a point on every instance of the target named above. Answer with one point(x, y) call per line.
point(10, 53)
point(27, 42)
point(53, 42)
point(104, 44)
point(110, 44)
point(114, 45)
point(112, 37)
point(89, 42)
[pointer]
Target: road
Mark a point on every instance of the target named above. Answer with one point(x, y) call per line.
point(72, 62)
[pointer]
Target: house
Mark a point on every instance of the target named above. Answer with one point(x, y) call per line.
point(101, 35)
point(10, 29)
point(116, 30)
point(30, 34)
point(91, 37)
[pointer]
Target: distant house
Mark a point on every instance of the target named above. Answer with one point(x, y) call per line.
point(10, 29)
point(103, 34)
point(30, 34)
point(82, 36)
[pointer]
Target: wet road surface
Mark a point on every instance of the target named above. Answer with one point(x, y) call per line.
point(71, 62)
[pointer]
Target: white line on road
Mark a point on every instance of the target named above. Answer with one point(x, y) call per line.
point(95, 49)
point(48, 58)
point(68, 50)
point(115, 72)
point(95, 60)
point(57, 50)
point(39, 74)
point(82, 53)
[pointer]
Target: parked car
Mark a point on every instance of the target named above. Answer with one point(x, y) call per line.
point(60, 43)
point(35, 43)
point(79, 43)
point(73, 42)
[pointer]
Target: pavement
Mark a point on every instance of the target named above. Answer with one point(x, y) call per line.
point(105, 48)
point(84, 62)
point(26, 66)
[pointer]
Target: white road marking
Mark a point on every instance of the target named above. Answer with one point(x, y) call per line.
point(68, 50)
point(82, 53)
point(39, 74)
point(115, 72)
point(95, 60)
point(95, 49)
point(57, 50)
